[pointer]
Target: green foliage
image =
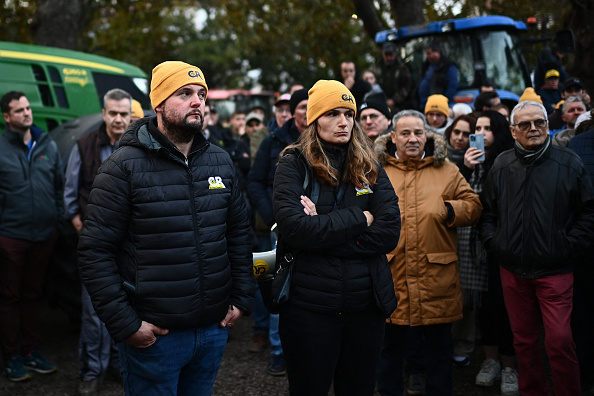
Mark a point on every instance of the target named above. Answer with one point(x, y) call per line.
point(288, 40)
point(15, 18)
point(143, 33)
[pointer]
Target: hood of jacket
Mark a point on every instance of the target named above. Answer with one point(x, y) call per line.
point(145, 134)
point(435, 147)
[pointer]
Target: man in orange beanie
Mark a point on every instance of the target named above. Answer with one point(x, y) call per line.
point(164, 251)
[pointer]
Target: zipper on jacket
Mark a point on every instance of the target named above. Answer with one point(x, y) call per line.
point(196, 228)
point(526, 214)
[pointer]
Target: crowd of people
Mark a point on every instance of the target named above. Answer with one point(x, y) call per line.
point(411, 246)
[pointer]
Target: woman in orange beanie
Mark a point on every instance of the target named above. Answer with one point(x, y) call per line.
point(338, 217)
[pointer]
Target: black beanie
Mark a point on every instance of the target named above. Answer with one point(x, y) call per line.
point(377, 102)
point(296, 98)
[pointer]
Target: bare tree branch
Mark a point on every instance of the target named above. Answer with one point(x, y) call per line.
point(368, 14)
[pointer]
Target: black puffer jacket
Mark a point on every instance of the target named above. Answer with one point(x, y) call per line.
point(537, 217)
point(340, 263)
point(164, 241)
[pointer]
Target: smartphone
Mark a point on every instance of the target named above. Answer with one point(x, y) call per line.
point(477, 140)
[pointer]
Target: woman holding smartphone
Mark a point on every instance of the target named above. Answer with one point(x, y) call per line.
point(457, 137)
point(496, 136)
point(496, 335)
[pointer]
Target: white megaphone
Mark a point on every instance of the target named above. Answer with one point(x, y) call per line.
point(265, 262)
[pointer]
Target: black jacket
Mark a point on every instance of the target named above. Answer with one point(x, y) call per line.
point(537, 217)
point(583, 146)
point(31, 205)
point(340, 262)
point(164, 241)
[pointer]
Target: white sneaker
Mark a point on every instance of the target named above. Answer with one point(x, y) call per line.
point(490, 371)
point(509, 382)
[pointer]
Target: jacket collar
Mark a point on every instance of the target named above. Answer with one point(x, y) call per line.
point(144, 133)
point(15, 137)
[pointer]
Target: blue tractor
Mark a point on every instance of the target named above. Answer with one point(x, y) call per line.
point(482, 47)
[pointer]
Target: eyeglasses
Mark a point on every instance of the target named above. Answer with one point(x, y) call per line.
point(525, 126)
point(372, 117)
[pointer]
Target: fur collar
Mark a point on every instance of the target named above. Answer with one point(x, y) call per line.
point(435, 146)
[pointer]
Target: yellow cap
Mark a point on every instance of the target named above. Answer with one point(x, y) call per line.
point(170, 76)
point(326, 95)
point(552, 73)
point(437, 103)
point(137, 109)
point(530, 94)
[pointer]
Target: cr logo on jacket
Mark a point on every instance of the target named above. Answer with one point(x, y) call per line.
point(215, 182)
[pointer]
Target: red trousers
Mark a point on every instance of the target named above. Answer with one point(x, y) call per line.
point(22, 272)
point(530, 304)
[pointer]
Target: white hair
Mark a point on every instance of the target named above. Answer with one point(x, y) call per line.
point(409, 113)
point(527, 103)
point(572, 99)
point(461, 109)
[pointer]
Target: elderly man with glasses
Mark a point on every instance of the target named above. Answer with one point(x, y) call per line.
point(538, 217)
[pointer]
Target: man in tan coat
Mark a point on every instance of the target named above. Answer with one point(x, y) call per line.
point(435, 199)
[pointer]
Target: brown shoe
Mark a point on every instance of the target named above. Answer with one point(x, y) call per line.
point(258, 342)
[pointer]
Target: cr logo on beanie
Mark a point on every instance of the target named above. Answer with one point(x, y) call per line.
point(348, 98)
point(170, 76)
point(327, 95)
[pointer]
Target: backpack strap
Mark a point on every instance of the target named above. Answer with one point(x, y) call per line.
point(315, 187)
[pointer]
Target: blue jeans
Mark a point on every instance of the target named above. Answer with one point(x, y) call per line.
point(264, 322)
point(183, 362)
point(261, 314)
point(275, 341)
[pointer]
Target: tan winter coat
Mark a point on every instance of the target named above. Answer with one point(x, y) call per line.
point(425, 264)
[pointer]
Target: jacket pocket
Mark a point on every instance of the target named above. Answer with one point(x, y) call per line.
point(440, 282)
point(443, 258)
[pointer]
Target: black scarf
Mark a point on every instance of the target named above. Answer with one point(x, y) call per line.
point(530, 157)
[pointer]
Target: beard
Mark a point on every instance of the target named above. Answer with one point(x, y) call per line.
point(180, 132)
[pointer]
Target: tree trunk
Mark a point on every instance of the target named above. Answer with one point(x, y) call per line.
point(407, 12)
point(368, 14)
point(580, 21)
point(57, 23)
